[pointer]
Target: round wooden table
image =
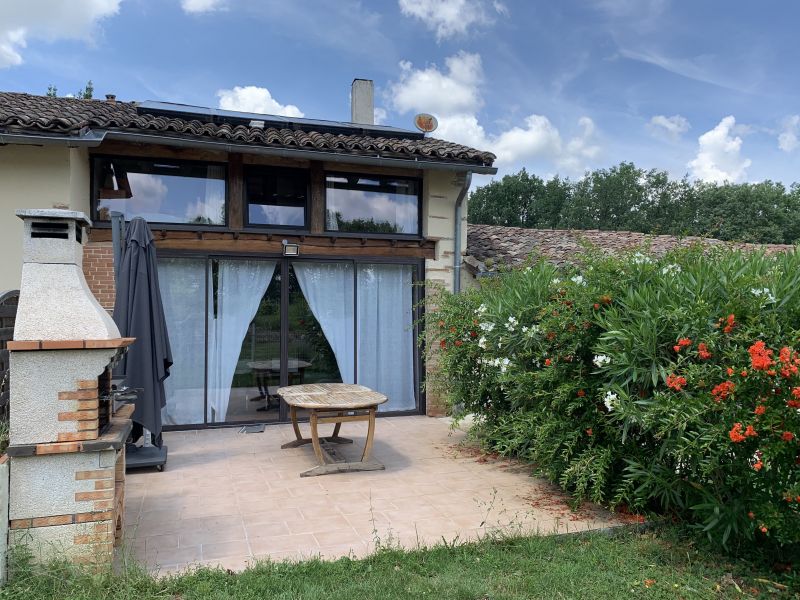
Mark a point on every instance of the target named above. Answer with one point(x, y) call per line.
point(333, 403)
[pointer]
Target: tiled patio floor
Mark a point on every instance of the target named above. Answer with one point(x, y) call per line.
point(227, 498)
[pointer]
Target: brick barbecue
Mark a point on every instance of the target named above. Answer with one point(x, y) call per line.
point(67, 458)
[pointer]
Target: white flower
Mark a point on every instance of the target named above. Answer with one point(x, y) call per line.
point(578, 279)
point(482, 343)
point(601, 360)
point(511, 324)
point(503, 364)
point(610, 400)
point(670, 269)
point(641, 259)
point(486, 326)
point(528, 269)
point(766, 292)
point(556, 281)
point(481, 309)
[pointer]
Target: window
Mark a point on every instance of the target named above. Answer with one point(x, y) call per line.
point(160, 191)
point(372, 204)
point(276, 197)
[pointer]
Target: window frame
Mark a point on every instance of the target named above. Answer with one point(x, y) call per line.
point(94, 200)
point(362, 234)
point(274, 227)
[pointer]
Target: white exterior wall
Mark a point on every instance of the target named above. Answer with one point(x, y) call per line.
point(440, 192)
point(36, 177)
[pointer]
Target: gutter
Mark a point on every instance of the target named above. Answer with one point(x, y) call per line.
point(457, 233)
point(87, 139)
point(297, 154)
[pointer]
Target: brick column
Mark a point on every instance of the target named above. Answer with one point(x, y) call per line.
point(98, 268)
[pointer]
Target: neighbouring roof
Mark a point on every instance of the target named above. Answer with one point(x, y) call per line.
point(71, 117)
point(513, 245)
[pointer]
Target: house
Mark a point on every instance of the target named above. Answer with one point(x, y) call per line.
point(289, 249)
point(489, 246)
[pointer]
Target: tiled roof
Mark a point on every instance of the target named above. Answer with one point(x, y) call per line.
point(513, 245)
point(26, 113)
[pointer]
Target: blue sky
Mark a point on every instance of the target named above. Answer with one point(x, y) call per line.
point(705, 88)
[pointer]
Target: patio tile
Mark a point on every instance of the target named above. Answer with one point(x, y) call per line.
point(228, 499)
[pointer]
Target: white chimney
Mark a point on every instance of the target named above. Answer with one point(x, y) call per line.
point(362, 102)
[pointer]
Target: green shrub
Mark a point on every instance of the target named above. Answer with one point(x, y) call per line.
point(659, 384)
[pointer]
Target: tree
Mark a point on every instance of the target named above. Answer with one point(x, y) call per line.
point(625, 197)
point(87, 93)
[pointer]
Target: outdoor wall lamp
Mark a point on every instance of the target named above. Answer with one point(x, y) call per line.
point(290, 249)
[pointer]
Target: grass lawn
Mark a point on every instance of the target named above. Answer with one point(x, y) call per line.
point(628, 565)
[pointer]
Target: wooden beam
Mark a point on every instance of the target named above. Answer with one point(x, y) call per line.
point(316, 206)
point(236, 198)
point(371, 170)
point(137, 149)
point(234, 242)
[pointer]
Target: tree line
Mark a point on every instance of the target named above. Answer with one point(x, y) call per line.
point(625, 197)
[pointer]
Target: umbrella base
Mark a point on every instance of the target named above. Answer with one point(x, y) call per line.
point(146, 456)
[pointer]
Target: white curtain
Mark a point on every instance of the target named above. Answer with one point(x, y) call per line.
point(182, 283)
point(328, 289)
point(385, 333)
point(241, 285)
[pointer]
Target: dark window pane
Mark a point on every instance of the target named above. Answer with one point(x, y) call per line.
point(372, 204)
point(160, 191)
point(276, 196)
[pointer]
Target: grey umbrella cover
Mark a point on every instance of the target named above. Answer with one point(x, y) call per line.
point(139, 313)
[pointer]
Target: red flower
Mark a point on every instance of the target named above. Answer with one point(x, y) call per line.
point(441, 323)
point(760, 356)
point(730, 323)
point(736, 433)
point(743, 373)
point(682, 343)
point(581, 393)
point(750, 431)
point(787, 436)
point(758, 465)
point(675, 382)
point(443, 344)
point(763, 529)
point(596, 306)
point(452, 330)
point(459, 343)
point(589, 431)
point(793, 403)
point(729, 370)
point(751, 515)
point(722, 391)
point(473, 334)
point(548, 362)
point(760, 409)
point(702, 351)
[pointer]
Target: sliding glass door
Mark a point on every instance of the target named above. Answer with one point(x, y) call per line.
point(242, 327)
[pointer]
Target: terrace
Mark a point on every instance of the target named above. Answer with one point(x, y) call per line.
point(228, 499)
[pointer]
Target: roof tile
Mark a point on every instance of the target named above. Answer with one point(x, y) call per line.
point(68, 116)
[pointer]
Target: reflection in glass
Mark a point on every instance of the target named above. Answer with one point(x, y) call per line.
point(276, 196)
point(372, 204)
point(182, 283)
point(243, 340)
point(385, 333)
point(160, 191)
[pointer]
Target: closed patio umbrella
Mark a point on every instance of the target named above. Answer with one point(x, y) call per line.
point(139, 313)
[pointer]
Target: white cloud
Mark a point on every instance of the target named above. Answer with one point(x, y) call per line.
point(48, 20)
point(431, 90)
point(719, 155)
point(201, 6)
point(454, 97)
point(671, 128)
point(251, 98)
point(380, 115)
point(450, 18)
point(788, 138)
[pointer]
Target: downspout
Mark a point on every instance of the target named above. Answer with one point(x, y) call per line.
point(462, 195)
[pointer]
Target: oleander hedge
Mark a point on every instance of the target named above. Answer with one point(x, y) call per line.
point(667, 385)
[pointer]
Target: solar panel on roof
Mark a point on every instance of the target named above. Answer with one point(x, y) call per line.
point(219, 115)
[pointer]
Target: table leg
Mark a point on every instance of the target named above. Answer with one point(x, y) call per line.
point(315, 438)
point(299, 441)
point(370, 436)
